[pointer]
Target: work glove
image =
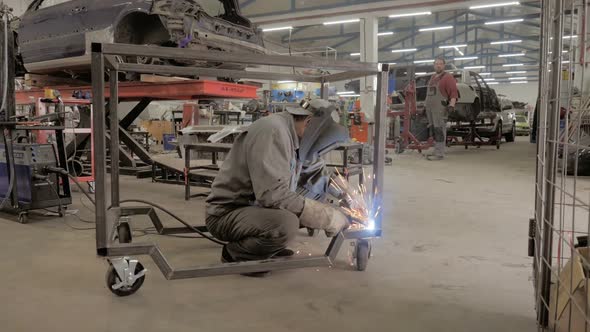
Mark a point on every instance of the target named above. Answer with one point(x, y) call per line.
point(450, 109)
point(316, 215)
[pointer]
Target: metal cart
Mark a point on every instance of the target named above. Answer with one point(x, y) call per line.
point(126, 275)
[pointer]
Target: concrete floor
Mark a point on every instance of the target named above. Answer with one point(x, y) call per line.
point(452, 258)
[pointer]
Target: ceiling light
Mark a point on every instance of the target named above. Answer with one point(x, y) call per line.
point(343, 22)
point(517, 78)
point(489, 79)
point(484, 74)
point(452, 46)
point(567, 37)
point(459, 51)
point(283, 82)
point(422, 73)
point(505, 21)
point(519, 82)
point(516, 72)
point(387, 33)
point(501, 4)
point(277, 29)
point(466, 58)
point(436, 28)
point(564, 51)
point(356, 95)
point(410, 14)
point(506, 42)
point(492, 83)
point(513, 65)
point(474, 67)
point(392, 63)
point(424, 61)
point(355, 54)
point(404, 50)
point(566, 61)
point(510, 55)
point(345, 93)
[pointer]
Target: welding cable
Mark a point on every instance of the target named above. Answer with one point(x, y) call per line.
point(212, 239)
point(62, 171)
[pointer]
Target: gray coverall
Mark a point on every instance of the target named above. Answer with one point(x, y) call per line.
point(253, 205)
point(437, 115)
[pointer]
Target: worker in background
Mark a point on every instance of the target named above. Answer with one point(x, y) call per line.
point(441, 98)
point(253, 204)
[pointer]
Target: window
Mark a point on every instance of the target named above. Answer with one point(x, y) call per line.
point(212, 7)
point(50, 3)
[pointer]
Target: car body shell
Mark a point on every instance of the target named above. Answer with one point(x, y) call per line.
point(58, 37)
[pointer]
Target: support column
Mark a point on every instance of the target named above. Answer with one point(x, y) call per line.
point(369, 53)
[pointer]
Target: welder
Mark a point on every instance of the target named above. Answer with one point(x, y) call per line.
point(440, 100)
point(253, 205)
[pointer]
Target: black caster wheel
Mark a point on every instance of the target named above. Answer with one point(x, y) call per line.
point(363, 253)
point(23, 218)
point(124, 233)
point(311, 232)
point(112, 278)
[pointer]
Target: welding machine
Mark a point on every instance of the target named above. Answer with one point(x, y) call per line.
point(36, 186)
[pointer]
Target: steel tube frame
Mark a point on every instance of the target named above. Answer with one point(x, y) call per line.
point(106, 218)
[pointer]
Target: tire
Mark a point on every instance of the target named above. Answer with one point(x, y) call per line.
point(510, 137)
point(363, 253)
point(112, 278)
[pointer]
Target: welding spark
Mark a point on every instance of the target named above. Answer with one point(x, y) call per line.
point(360, 204)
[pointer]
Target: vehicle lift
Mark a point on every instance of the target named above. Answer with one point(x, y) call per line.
point(125, 274)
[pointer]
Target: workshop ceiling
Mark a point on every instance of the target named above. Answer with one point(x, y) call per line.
point(468, 27)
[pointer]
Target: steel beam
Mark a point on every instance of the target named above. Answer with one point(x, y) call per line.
point(225, 57)
point(135, 112)
point(114, 119)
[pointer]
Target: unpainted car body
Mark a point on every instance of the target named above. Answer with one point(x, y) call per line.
point(58, 38)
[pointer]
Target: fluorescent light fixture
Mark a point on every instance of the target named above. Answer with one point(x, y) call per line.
point(277, 29)
point(510, 55)
point(424, 61)
point(422, 73)
point(485, 74)
point(385, 33)
point(506, 42)
point(404, 50)
point(500, 4)
point(564, 51)
point(355, 54)
point(516, 72)
point(519, 82)
point(566, 61)
point(517, 78)
point(446, 27)
point(466, 58)
point(566, 37)
point(452, 46)
point(513, 65)
point(459, 51)
point(410, 14)
point(489, 79)
point(492, 83)
point(344, 96)
point(474, 67)
point(346, 93)
point(283, 82)
point(354, 20)
point(392, 63)
point(505, 21)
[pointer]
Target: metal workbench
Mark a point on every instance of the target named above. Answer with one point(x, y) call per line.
point(111, 221)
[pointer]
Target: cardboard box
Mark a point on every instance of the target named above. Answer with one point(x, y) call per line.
point(572, 280)
point(157, 128)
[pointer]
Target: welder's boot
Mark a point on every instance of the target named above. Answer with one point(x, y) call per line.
point(227, 258)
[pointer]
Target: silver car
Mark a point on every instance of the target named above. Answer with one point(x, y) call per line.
point(57, 38)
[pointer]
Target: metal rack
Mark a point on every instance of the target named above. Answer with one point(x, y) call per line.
point(559, 231)
point(110, 221)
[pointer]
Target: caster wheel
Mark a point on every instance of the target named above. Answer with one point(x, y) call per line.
point(124, 233)
point(311, 232)
point(363, 253)
point(23, 218)
point(112, 279)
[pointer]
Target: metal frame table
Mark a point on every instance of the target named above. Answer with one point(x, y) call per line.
point(111, 218)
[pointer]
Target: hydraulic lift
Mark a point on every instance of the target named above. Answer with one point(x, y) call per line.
point(126, 275)
point(143, 93)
